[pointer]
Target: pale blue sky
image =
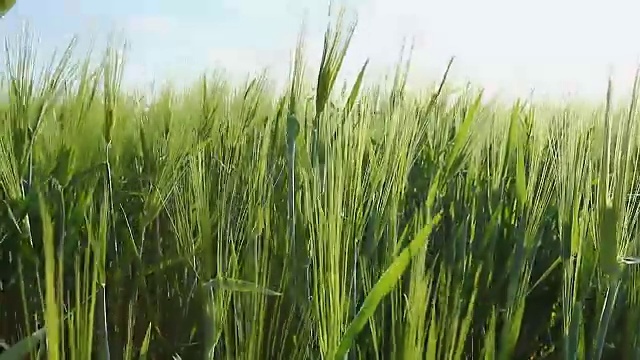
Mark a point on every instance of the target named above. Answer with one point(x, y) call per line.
point(554, 46)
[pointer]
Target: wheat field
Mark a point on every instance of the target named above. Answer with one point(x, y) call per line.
point(232, 221)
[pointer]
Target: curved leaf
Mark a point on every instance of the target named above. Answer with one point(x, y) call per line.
point(385, 284)
point(5, 6)
point(20, 350)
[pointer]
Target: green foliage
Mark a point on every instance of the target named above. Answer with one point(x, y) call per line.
point(232, 222)
point(23, 348)
point(5, 6)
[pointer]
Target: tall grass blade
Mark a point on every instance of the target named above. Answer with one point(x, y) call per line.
point(383, 286)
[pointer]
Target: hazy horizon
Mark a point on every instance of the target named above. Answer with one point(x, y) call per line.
point(508, 48)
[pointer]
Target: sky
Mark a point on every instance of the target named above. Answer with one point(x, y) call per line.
point(556, 48)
